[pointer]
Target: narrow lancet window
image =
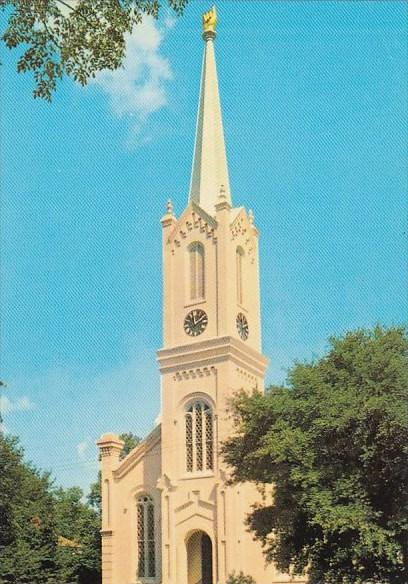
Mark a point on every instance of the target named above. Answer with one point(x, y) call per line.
point(199, 437)
point(108, 503)
point(197, 271)
point(240, 290)
point(146, 538)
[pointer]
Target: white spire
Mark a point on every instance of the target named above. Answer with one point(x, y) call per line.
point(210, 169)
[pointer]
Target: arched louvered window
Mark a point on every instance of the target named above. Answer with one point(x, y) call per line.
point(199, 437)
point(197, 270)
point(240, 285)
point(146, 538)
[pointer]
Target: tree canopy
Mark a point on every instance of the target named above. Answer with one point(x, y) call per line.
point(47, 535)
point(333, 443)
point(130, 442)
point(76, 38)
point(79, 541)
point(28, 540)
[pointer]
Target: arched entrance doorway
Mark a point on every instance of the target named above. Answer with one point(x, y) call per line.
point(199, 559)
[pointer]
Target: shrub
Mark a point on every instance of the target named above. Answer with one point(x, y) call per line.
point(240, 579)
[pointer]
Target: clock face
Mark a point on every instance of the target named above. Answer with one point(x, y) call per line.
point(195, 322)
point(242, 326)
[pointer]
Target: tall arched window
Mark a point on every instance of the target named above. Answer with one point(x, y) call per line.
point(240, 289)
point(197, 270)
point(199, 437)
point(146, 538)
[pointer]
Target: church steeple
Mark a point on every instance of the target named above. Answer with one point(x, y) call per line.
point(210, 252)
point(210, 169)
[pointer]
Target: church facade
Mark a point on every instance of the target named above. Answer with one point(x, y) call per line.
point(167, 514)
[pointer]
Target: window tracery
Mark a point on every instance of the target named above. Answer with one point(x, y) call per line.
point(146, 537)
point(199, 424)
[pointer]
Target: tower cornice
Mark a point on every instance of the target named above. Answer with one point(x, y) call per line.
point(209, 352)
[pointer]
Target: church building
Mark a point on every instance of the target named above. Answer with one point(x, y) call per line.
point(168, 516)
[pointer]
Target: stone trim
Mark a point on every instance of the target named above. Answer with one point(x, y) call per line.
point(245, 375)
point(138, 453)
point(194, 373)
point(193, 218)
point(209, 352)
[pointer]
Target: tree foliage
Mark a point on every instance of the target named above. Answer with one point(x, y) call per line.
point(47, 535)
point(79, 527)
point(334, 444)
point(76, 38)
point(28, 540)
point(130, 442)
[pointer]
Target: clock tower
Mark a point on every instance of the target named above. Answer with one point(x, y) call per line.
point(212, 345)
point(168, 513)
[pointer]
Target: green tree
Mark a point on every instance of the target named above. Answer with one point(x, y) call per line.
point(131, 441)
point(78, 526)
point(94, 496)
point(334, 445)
point(28, 536)
point(76, 38)
point(47, 535)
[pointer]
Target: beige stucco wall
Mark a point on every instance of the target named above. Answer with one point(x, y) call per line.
point(220, 236)
point(136, 475)
point(211, 367)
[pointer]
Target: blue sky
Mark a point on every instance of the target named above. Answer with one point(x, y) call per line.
point(314, 98)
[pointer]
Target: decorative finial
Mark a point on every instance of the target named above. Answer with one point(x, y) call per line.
point(209, 23)
point(170, 207)
point(251, 217)
point(222, 201)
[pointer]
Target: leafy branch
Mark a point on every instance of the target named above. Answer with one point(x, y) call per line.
point(76, 39)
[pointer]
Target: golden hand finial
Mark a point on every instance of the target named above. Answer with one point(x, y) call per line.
point(210, 20)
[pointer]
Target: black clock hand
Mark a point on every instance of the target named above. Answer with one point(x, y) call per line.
point(200, 319)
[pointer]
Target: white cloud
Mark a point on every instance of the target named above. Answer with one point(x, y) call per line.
point(21, 404)
point(170, 21)
point(82, 448)
point(138, 88)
